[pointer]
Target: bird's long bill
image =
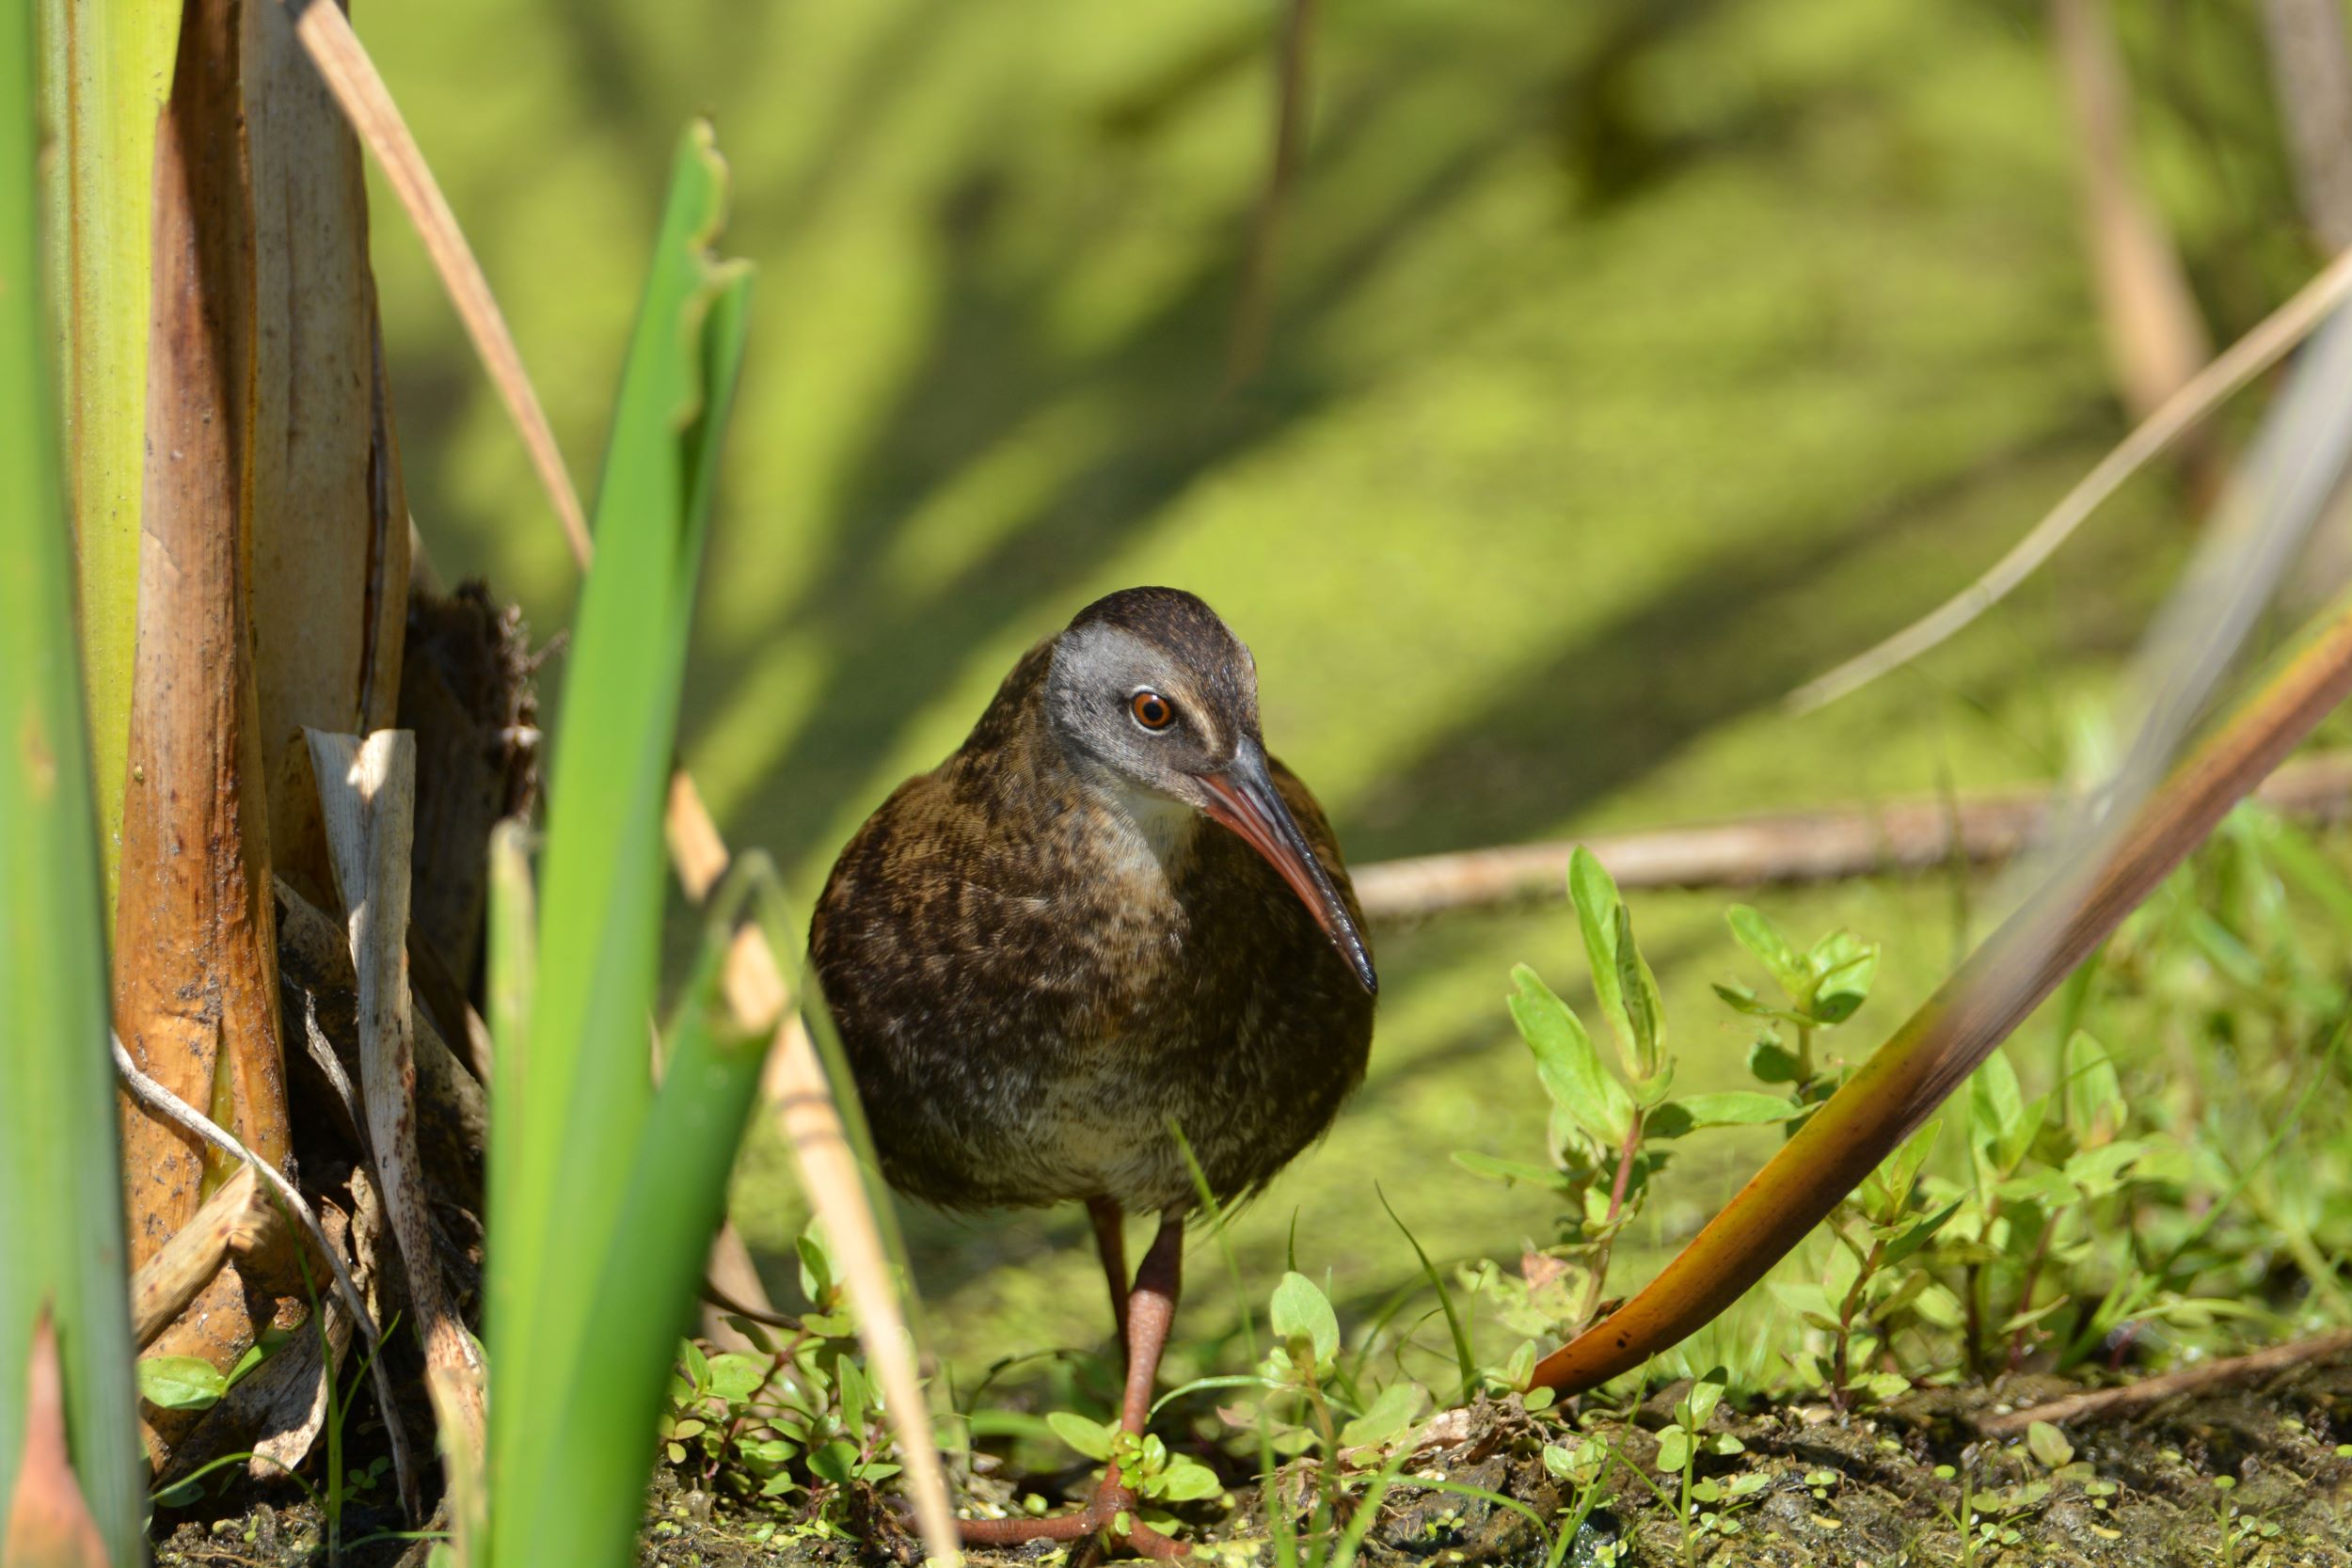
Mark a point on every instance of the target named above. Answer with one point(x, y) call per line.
point(1244, 798)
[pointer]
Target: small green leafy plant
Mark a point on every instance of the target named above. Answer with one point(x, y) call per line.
point(1606, 1127)
point(1707, 1507)
point(799, 1423)
point(1821, 987)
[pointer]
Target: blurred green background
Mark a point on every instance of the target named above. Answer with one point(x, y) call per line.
point(1630, 362)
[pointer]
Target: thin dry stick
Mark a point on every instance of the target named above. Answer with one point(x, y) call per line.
point(2245, 359)
point(2105, 1403)
point(795, 1087)
point(367, 802)
point(1798, 846)
point(352, 77)
point(173, 1109)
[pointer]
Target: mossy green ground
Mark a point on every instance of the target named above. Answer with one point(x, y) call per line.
point(1630, 363)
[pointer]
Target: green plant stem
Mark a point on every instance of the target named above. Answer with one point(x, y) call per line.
point(1690, 1538)
point(1980, 1295)
point(1853, 1303)
point(2026, 1291)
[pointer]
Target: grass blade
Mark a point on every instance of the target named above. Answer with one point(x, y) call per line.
point(61, 1231)
point(1464, 1357)
point(567, 1170)
point(587, 1510)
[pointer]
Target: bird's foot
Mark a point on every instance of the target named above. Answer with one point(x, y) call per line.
point(1111, 1513)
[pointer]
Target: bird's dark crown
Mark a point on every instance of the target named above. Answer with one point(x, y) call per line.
point(1163, 642)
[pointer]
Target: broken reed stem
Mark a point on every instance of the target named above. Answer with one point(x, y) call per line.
point(180, 1269)
point(2107, 1403)
point(1799, 846)
point(173, 1109)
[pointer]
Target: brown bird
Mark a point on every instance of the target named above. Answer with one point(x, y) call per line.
point(1109, 915)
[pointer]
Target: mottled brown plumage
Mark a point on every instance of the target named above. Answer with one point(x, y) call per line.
point(1107, 911)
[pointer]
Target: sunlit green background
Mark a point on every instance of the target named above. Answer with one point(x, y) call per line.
point(1632, 361)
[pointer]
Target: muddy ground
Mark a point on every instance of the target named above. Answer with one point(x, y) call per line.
point(2258, 1476)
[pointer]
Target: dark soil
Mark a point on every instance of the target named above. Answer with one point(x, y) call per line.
point(2261, 1477)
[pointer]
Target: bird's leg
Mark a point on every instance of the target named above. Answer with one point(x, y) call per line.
point(1110, 1240)
point(1150, 1309)
point(1151, 1312)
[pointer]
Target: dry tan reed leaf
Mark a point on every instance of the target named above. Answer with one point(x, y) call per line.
point(367, 795)
point(351, 76)
point(329, 575)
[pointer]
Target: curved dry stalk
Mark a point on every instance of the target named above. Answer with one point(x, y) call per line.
point(180, 1114)
point(367, 795)
point(2265, 346)
point(351, 76)
point(801, 1099)
point(2003, 981)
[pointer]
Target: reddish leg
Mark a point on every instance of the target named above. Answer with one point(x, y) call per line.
point(1110, 1242)
point(1149, 1310)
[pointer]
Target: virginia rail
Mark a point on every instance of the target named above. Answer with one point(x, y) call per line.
point(1109, 915)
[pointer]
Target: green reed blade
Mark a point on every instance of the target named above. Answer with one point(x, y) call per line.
point(587, 1508)
point(105, 69)
point(565, 1178)
point(60, 1198)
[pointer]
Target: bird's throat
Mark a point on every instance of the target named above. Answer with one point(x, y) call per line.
point(1164, 829)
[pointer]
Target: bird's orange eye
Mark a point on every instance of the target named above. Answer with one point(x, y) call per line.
point(1152, 710)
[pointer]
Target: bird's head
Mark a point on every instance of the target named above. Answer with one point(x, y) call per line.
point(1149, 687)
